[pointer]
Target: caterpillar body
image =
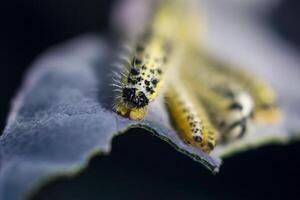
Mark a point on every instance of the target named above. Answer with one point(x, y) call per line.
point(142, 76)
point(266, 108)
point(181, 21)
point(190, 118)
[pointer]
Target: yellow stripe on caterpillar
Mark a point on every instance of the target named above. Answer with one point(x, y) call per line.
point(190, 118)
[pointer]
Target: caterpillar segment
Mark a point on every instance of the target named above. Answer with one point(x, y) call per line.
point(180, 20)
point(266, 109)
point(142, 76)
point(190, 118)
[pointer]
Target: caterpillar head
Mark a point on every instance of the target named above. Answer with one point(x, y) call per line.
point(237, 119)
point(132, 103)
point(134, 98)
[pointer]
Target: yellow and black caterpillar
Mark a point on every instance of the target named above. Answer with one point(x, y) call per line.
point(145, 68)
point(208, 102)
point(142, 76)
point(190, 118)
point(229, 106)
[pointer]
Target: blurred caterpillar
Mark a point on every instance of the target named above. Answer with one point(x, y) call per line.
point(266, 109)
point(190, 118)
point(228, 105)
point(229, 109)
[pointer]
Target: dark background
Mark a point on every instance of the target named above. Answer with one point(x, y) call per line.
point(140, 166)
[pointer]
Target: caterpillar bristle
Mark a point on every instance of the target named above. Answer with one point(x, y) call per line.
point(127, 48)
point(118, 66)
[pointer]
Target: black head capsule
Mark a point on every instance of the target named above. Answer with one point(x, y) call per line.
point(235, 106)
point(136, 98)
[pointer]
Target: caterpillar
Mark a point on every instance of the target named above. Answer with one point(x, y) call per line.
point(208, 101)
point(144, 67)
point(266, 108)
point(190, 118)
point(142, 76)
point(229, 106)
